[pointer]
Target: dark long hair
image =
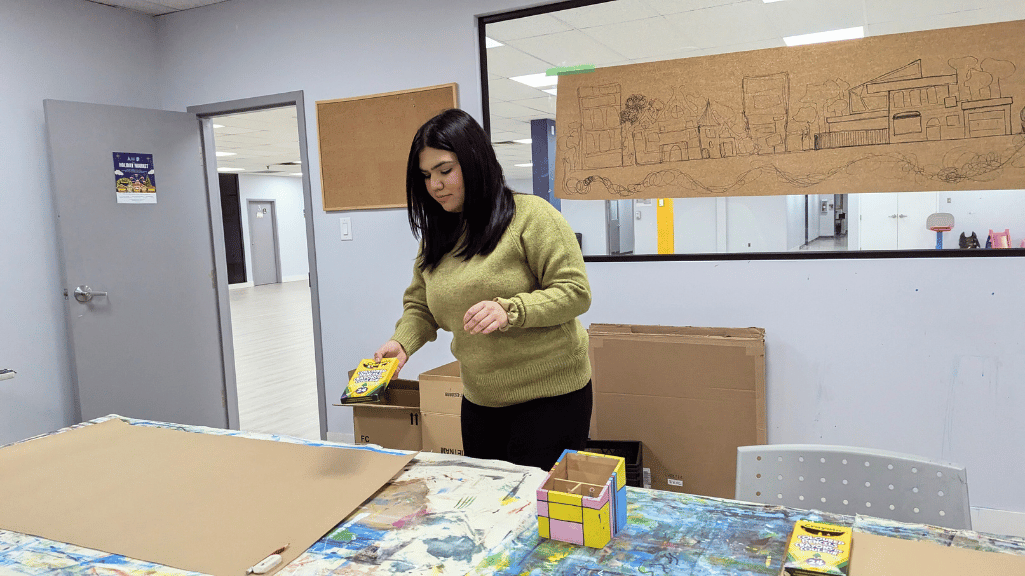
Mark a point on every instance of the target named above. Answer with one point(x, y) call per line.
point(488, 204)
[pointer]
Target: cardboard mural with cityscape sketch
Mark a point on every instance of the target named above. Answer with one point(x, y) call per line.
point(922, 111)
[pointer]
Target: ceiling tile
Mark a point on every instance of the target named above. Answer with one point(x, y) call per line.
point(640, 39)
point(571, 48)
point(505, 90)
point(506, 61)
point(807, 16)
point(725, 25)
point(543, 107)
point(678, 6)
point(620, 11)
point(540, 25)
point(510, 110)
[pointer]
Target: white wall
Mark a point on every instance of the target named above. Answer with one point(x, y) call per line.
point(695, 222)
point(795, 222)
point(753, 224)
point(982, 211)
point(921, 355)
point(65, 50)
point(287, 194)
point(588, 218)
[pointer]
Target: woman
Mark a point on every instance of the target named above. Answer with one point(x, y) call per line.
point(503, 272)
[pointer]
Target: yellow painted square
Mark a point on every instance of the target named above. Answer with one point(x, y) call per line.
point(542, 527)
point(597, 527)
point(564, 512)
point(565, 498)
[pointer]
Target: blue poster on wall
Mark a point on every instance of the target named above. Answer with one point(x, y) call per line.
point(134, 179)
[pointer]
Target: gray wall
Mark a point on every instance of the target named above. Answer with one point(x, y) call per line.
point(68, 50)
point(920, 355)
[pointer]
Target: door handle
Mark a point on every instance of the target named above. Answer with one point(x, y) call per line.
point(893, 216)
point(902, 215)
point(84, 293)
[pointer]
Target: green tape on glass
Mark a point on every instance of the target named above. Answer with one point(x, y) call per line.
point(564, 70)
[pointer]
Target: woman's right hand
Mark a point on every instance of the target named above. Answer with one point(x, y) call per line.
point(392, 349)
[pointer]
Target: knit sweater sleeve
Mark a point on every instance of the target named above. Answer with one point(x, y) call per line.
point(554, 257)
point(417, 325)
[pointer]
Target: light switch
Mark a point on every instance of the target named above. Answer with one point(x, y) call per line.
point(346, 224)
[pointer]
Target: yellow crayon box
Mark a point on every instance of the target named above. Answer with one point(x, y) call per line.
point(816, 548)
point(369, 380)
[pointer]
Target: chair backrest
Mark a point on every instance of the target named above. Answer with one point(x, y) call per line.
point(1000, 239)
point(847, 480)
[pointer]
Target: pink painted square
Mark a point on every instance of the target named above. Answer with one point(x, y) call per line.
point(542, 508)
point(572, 532)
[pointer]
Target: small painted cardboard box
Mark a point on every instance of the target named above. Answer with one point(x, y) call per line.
point(583, 499)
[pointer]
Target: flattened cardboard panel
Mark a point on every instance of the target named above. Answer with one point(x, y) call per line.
point(694, 440)
point(207, 503)
point(364, 144)
point(921, 111)
point(873, 555)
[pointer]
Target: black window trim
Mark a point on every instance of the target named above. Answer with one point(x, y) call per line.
point(484, 20)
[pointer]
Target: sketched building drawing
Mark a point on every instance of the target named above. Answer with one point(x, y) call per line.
point(767, 111)
point(600, 130)
point(716, 138)
point(905, 106)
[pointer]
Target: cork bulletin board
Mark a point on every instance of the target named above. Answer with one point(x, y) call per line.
point(364, 144)
point(921, 111)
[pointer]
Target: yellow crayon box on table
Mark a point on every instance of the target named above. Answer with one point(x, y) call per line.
point(369, 380)
point(583, 499)
point(816, 548)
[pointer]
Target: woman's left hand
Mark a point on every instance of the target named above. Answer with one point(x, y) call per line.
point(485, 317)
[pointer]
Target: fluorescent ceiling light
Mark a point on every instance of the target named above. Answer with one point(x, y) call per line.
point(297, 173)
point(771, 1)
point(524, 141)
point(219, 153)
point(218, 125)
point(231, 169)
point(529, 165)
point(552, 91)
point(539, 80)
point(489, 43)
point(830, 36)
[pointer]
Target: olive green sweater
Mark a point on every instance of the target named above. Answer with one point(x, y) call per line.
point(536, 273)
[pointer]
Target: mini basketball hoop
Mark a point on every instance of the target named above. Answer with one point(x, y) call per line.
point(939, 223)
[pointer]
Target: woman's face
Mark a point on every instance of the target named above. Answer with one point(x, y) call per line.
point(443, 178)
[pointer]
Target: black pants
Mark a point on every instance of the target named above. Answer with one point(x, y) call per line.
point(533, 433)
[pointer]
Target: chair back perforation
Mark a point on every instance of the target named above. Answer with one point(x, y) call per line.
point(848, 480)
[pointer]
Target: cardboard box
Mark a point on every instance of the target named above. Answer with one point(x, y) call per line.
point(441, 389)
point(690, 395)
point(873, 555)
point(393, 422)
point(442, 433)
point(441, 399)
point(583, 499)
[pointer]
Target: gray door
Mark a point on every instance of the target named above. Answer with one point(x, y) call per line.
point(150, 347)
point(263, 242)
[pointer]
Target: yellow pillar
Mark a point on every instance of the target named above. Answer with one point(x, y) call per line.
point(666, 233)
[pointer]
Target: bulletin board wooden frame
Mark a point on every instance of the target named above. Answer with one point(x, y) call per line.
point(364, 144)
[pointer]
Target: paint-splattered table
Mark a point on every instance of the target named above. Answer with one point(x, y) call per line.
point(670, 533)
point(441, 515)
point(453, 515)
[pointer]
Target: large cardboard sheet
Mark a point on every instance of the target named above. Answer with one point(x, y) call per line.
point(873, 555)
point(922, 111)
point(207, 503)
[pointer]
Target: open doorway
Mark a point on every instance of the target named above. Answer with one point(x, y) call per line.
point(270, 266)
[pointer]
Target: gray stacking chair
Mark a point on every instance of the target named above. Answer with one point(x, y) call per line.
point(847, 480)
